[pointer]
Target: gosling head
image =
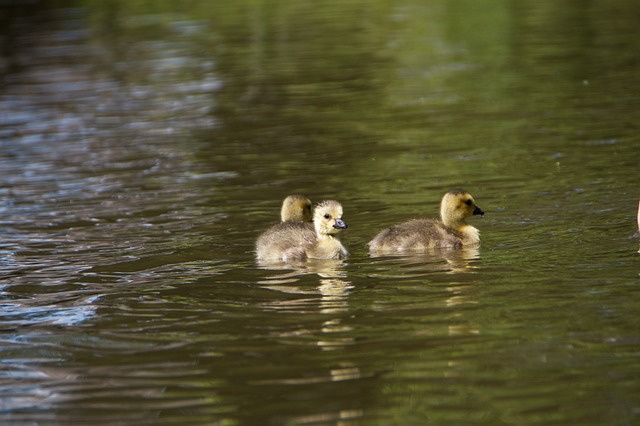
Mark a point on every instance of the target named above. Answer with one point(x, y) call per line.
point(327, 218)
point(456, 206)
point(296, 208)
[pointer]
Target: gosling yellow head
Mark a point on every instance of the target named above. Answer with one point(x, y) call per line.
point(327, 218)
point(456, 206)
point(296, 208)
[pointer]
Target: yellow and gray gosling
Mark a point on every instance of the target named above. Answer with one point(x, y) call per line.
point(296, 208)
point(297, 241)
point(451, 230)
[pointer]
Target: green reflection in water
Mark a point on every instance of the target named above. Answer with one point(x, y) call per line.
point(384, 105)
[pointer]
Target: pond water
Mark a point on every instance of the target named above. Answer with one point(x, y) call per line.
point(145, 145)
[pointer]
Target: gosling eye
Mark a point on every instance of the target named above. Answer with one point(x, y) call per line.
point(327, 216)
point(468, 202)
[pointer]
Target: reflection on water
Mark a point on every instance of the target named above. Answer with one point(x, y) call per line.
point(434, 260)
point(333, 290)
point(143, 149)
point(20, 312)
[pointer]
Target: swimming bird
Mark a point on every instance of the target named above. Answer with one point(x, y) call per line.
point(292, 241)
point(451, 230)
point(296, 208)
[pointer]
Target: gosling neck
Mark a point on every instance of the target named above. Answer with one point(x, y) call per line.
point(321, 232)
point(451, 220)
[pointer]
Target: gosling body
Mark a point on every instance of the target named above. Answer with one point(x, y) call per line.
point(450, 231)
point(292, 241)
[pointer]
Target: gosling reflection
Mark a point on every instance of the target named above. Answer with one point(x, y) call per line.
point(458, 299)
point(332, 286)
point(432, 260)
point(333, 291)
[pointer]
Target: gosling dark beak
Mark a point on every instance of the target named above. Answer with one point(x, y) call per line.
point(340, 224)
point(478, 211)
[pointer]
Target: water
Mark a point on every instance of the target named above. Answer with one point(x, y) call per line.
point(144, 147)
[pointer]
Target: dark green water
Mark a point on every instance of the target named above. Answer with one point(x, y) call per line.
point(145, 145)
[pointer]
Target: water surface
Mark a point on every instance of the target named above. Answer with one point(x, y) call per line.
point(143, 148)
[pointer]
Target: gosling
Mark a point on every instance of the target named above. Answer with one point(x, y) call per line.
point(292, 241)
point(450, 231)
point(296, 208)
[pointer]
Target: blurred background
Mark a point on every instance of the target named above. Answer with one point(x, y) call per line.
point(144, 145)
